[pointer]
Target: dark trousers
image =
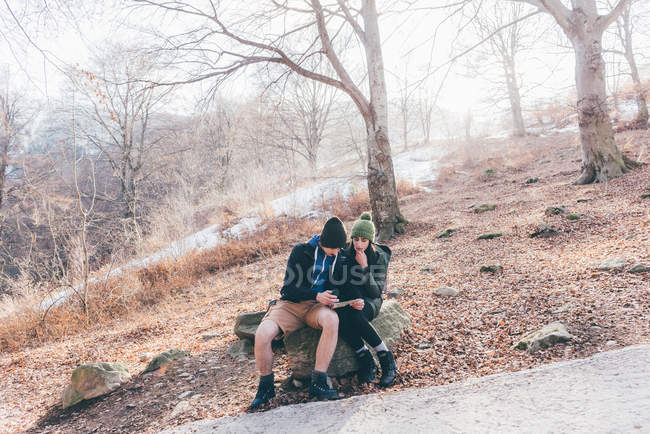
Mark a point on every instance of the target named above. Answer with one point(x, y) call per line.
point(355, 326)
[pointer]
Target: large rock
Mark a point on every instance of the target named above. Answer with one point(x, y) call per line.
point(165, 358)
point(241, 349)
point(301, 344)
point(550, 334)
point(91, 380)
point(446, 291)
point(246, 325)
point(612, 264)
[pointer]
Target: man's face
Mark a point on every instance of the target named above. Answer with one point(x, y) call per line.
point(330, 251)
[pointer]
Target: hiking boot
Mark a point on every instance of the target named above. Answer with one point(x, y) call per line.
point(265, 391)
point(388, 368)
point(367, 367)
point(319, 387)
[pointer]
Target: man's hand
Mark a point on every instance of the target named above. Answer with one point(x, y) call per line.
point(361, 258)
point(358, 304)
point(327, 298)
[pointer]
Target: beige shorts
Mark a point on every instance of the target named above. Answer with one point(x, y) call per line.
point(291, 316)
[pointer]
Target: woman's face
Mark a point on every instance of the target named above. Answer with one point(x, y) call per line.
point(360, 244)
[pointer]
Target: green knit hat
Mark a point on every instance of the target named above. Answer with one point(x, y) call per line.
point(364, 228)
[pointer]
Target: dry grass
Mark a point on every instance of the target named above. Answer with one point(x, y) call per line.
point(406, 188)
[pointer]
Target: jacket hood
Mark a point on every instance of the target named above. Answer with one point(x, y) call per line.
point(314, 241)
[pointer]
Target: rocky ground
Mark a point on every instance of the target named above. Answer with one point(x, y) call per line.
point(469, 335)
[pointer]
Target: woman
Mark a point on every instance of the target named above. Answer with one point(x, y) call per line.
point(362, 274)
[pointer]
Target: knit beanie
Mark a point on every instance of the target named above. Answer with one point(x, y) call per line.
point(333, 235)
point(364, 227)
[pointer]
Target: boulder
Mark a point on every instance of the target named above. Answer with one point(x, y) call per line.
point(531, 180)
point(496, 268)
point(447, 233)
point(612, 264)
point(301, 344)
point(246, 324)
point(554, 210)
point(543, 231)
point(241, 349)
point(550, 334)
point(478, 209)
point(490, 236)
point(446, 291)
point(639, 268)
point(91, 380)
point(166, 358)
point(573, 217)
point(394, 292)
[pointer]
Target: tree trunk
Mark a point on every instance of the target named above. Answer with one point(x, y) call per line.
point(381, 177)
point(515, 98)
point(601, 159)
point(641, 120)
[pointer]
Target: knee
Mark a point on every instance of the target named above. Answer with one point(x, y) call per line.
point(265, 332)
point(328, 320)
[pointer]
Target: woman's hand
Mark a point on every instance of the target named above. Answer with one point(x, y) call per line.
point(358, 304)
point(361, 258)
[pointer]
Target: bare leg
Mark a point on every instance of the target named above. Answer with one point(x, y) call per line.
point(329, 322)
point(265, 333)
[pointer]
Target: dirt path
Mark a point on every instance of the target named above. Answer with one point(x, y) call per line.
point(608, 392)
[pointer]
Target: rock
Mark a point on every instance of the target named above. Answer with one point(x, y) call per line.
point(208, 336)
point(301, 344)
point(246, 325)
point(446, 291)
point(447, 233)
point(549, 335)
point(130, 406)
point(146, 356)
point(490, 236)
point(478, 209)
point(491, 268)
point(422, 346)
point(426, 268)
point(91, 380)
point(645, 196)
point(582, 200)
point(185, 394)
point(241, 349)
point(543, 231)
point(610, 343)
point(166, 358)
point(573, 217)
point(612, 264)
point(488, 173)
point(531, 180)
point(180, 408)
point(395, 292)
point(639, 268)
point(554, 210)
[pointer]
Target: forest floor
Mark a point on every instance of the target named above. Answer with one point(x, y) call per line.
point(450, 339)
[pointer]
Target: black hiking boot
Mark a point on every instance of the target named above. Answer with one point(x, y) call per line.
point(367, 367)
point(388, 368)
point(319, 387)
point(265, 391)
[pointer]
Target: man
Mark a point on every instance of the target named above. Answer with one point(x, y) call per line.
point(306, 300)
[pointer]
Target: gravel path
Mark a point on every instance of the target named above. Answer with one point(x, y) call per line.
point(609, 392)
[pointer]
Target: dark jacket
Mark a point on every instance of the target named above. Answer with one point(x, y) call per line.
point(353, 281)
point(298, 284)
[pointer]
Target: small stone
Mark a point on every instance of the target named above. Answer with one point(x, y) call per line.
point(130, 406)
point(240, 350)
point(298, 384)
point(447, 233)
point(146, 356)
point(531, 180)
point(645, 196)
point(166, 358)
point(582, 200)
point(639, 268)
point(158, 385)
point(395, 292)
point(208, 336)
point(610, 343)
point(573, 217)
point(196, 396)
point(554, 210)
point(478, 209)
point(545, 337)
point(446, 291)
point(184, 375)
point(595, 328)
point(202, 370)
point(426, 268)
point(422, 346)
point(612, 264)
point(180, 408)
point(491, 269)
point(543, 231)
point(490, 236)
point(185, 394)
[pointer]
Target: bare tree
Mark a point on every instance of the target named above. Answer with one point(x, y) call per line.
point(122, 108)
point(584, 26)
point(505, 34)
point(624, 31)
point(287, 33)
